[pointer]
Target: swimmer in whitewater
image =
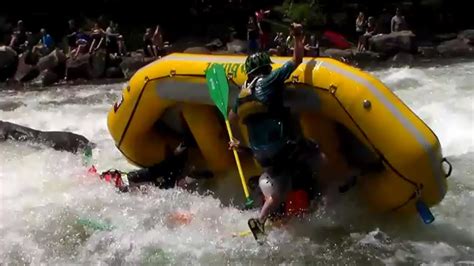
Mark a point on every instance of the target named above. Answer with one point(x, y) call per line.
point(167, 174)
point(274, 136)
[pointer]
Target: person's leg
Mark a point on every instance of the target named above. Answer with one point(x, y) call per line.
point(141, 176)
point(121, 48)
point(91, 48)
point(155, 50)
point(150, 51)
point(275, 189)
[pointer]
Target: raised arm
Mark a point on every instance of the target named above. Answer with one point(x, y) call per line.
point(298, 52)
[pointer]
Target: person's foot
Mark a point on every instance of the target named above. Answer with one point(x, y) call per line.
point(258, 230)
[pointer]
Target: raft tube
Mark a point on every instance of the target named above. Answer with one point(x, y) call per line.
point(354, 117)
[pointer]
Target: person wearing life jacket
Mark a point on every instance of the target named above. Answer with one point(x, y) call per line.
point(167, 174)
point(273, 133)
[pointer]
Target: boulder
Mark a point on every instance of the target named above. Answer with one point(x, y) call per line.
point(223, 52)
point(32, 58)
point(197, 50)
point(402, 59)
point(8, 62)
point(52, 60)
point(342, 55)
point(467, 36)
point(456, 47)
point(46, 78)
point(393, 43)
point(113, 72)
point(214, 44)
point(78, 68)
point(13, 84)
point(365, 58)
point(132, 64)
point(97, 62)
point(114, 60)
point(445, 37)
point(25, 72)
point(428, 51)
point(237, 46)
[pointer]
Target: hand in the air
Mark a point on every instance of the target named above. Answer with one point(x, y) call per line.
point(296, 29)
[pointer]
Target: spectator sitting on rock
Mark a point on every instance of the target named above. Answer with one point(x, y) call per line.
point(45, 44)
point(398, 22)
point(148, 43)
point(312, 47)
point(158, 44)
point(98, 36)
point(277, 44)
point(19, 38)
point(82, 44)
point(360, 25)
point(280, 44)
point(279, 38)
point(364, 39)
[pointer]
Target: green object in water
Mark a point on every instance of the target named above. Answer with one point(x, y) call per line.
point(87, 157)
point(95, 224)
point(157, 257)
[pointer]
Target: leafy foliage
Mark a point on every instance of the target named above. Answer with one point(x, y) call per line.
point(308, 12)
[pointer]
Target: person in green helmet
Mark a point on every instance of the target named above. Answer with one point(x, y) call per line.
point(273, 134)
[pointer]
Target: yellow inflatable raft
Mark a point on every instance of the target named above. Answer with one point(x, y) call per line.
point(354, 117)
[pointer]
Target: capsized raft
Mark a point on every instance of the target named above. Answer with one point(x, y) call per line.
point(354, 117)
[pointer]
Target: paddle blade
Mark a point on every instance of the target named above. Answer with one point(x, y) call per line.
point(218, 87)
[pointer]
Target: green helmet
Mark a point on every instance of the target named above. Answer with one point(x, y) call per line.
point(257, 61)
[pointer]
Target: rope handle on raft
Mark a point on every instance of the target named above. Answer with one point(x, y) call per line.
point(450, 169)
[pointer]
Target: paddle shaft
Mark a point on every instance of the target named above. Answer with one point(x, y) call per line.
point(237, 161)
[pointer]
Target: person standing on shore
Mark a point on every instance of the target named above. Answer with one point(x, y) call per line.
point(360, 24)
point(398, 21)
point(264, 36)
point(158, 43)
point(148, 43)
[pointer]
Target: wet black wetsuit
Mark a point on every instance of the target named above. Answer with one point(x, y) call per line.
point(167, 173)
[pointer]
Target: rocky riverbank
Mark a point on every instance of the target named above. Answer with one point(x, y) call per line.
point(388, 50)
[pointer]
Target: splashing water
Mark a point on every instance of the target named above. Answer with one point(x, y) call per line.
point(44, 192)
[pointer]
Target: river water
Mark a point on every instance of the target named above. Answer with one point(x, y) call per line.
point(44, 192)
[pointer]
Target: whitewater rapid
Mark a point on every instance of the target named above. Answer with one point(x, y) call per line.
point(44, 192)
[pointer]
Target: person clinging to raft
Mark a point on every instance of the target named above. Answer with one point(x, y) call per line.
point(271, 130)
point(171, 172)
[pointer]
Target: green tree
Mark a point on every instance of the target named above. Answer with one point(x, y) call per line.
point(308, 12)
